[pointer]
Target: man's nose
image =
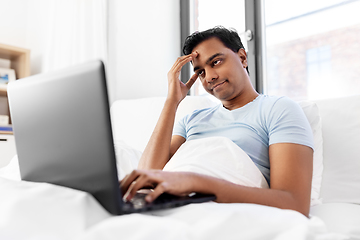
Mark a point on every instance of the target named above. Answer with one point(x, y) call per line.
point(211, 75)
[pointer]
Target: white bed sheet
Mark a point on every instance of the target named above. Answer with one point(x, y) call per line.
point(210, 221)
point(340, 217)
point(45, 211)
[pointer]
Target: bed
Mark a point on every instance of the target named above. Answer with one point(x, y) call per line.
point(44, 211)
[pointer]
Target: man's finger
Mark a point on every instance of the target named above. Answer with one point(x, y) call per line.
point(183, 60)
point(179, 60)
point(144, 180)
point(182, 63)
point(135, 186)
point(160, 189)
point(191, 81)
point(128, 179)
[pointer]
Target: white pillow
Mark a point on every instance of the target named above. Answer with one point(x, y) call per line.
point(312, 114)
point(127, 158)
point(341, 132)
point(134, 120)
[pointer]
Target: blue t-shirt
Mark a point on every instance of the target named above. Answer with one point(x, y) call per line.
point(254, 127)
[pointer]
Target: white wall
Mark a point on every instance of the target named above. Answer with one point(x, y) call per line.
point(146, 37)
point(13, 22)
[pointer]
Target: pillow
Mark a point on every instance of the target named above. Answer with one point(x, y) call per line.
point(127, 158)
point(134, 120)
point(341, 132)
point(312, 114)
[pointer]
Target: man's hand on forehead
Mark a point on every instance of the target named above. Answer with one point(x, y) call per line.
point(194, 55)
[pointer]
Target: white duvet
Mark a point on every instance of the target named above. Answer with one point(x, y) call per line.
point(44, 211)
point(218, 157)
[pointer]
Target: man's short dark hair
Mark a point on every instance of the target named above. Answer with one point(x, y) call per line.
point(228, 37)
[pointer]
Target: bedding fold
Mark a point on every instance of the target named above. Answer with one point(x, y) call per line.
point(217, 157)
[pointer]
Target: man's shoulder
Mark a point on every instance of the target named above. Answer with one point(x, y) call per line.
point(273, 98)
point(269, 102)
point(204, 111)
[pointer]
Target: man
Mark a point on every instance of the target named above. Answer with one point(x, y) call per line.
point(279, 140)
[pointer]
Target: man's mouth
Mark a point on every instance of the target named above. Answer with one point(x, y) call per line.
point(218, 85)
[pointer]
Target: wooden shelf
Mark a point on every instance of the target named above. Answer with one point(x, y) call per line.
point(3, 92)
point(19, 61)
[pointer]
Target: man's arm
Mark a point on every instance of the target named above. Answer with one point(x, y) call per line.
point(162, 145)
point(290, 177)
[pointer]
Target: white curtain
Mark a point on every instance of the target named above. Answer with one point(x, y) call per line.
point(63, 33)
point(137, 40)
point(75, 32)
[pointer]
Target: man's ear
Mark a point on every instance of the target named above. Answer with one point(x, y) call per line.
point(243, 57)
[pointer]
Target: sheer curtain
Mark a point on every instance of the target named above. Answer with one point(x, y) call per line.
point(62, 33)
point(137, 40)
point(75, 32)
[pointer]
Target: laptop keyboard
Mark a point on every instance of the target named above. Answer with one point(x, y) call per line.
point(138, 201)
point(165, 200)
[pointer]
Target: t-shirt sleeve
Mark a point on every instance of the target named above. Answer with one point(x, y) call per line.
point(180, 128)
point(288, 124)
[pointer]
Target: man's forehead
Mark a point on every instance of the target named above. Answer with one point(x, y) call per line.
point(209, 45)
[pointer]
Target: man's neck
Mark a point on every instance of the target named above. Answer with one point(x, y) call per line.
point(240, 100)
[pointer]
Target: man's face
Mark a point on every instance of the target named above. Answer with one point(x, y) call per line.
point(221, 71)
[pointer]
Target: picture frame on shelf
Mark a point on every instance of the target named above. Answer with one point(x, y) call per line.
point(6, 75)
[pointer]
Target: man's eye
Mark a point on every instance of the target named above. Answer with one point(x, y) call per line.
point(216, 62)
point(201, 73)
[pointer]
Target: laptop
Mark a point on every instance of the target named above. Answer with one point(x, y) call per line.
point(63, 135)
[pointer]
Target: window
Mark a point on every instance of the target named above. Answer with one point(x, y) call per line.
point(302, 49)
point(318, 69)
point(312, 48)
point(205, 14)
